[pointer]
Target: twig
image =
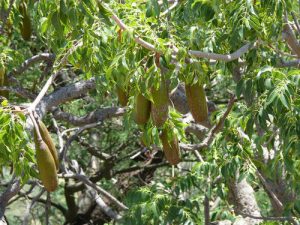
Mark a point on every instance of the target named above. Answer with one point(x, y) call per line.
point(33, 105)
point(292, 63)
point(268, 188)
point(206, 210)
point(85, 180)
point(63, 153)
point(94, 151)
point(92, 117)
point(59, 134)
point(61, 63)
point(134, 168)
point(223, 57)
point(36, 127)
point(28, 209)
point(21, 92)
point(208, 140)
point(296, 22)
point(170, 8)
point(44, 201)
point(103, 206)
point(281, 52)
point(47, 208)
point(31, 61)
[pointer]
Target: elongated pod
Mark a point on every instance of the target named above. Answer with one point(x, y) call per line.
point(170, 147)
point(141, 109)
point(49, 142)
point(160, 106)
point(3, 81)
point(46, 166)
point(197, 102)
point(122, 96)
point(25, 26)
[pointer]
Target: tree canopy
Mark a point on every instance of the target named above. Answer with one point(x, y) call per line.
point(150, 112)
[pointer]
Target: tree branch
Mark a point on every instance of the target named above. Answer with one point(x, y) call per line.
point(44, 201)
point(65, 94)
point(135, 168)
point(216, 129)
point(290, 38)
point(48, 57)
point(21, 92)
point(12, 189)
point(292, 63)
point(93, 117)
point(271, 218)
point(223, 57)
point(86, 181)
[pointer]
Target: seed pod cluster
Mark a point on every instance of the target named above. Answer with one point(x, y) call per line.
point(159, 111)
point(46, 157)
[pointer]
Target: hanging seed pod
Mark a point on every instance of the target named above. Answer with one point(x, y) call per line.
point(142, 109)
point(3, 81)
point(46, 166)
point(197, 102)
point(25, 26)
point(160, 106)
point(122, 96)
point(170, 147)
point(48, 140)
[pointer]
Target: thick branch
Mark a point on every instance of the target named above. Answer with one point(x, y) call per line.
point(65, 94)
point(243, 197)
point(289, 36)
point(12, 189)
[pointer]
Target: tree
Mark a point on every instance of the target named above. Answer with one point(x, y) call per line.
point(162, 112)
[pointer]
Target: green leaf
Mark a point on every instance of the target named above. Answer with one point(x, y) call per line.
point(284, 100)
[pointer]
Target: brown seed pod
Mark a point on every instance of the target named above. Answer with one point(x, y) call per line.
point(142, 109)
point(197, 102)
point(170, 147)
point(122, 96)
point(25, 26)
point(160, 106)
point(46, 166)
point(48, 140)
